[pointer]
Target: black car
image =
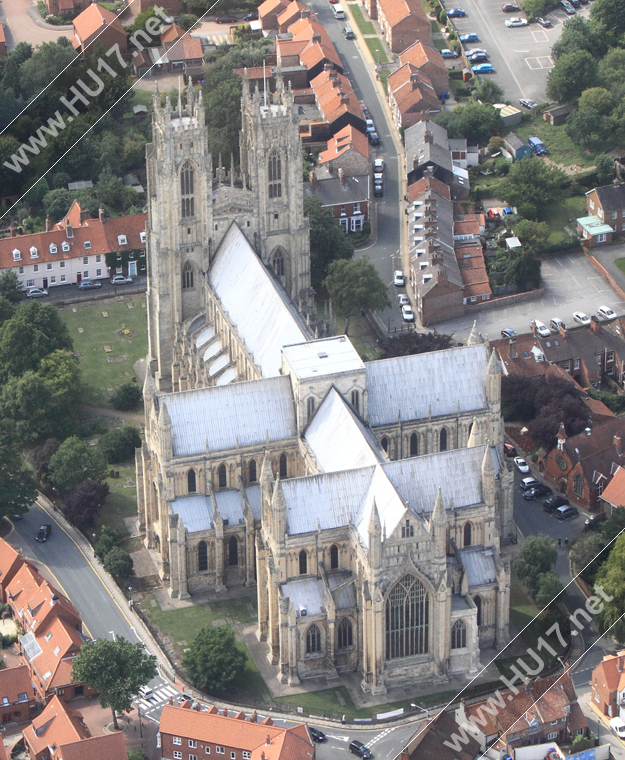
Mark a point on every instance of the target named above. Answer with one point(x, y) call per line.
point(43, 533)
point(358, 748)
point(316, 734)
point(479, 58)
point(373, 138)
point(536, 492)
point(550, 505)
point(566, 513)
point(226, 19)
point(378, 191)
point(253, 16)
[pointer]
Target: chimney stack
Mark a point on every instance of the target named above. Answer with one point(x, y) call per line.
point(13, 230)
point(617, 441)
point(428, 137)
point(69, 231)
point(595, 326)
point(341, 175)
point(48, 223)
point(305, 13)
point(344, 99)
point(327, 67)
point(414, 81)
point(313, 178)
point(512, 350)
point(316, 37)
point(84, 215)
point(101, 213)
point(562, 331)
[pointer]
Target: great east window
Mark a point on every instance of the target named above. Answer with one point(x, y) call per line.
point(407, 619)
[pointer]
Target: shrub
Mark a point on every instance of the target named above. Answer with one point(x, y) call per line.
point(106, 542)
point(118, 562)
point(128, 397)
point(119, 445)
point(84, 502)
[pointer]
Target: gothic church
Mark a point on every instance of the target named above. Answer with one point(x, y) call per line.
point(365, 501)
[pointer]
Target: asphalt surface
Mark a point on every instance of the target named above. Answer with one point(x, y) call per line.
point(62, 294)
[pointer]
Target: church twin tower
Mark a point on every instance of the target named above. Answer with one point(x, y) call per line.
point(192, 204)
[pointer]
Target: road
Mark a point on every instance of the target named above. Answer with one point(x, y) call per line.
point(63, 294)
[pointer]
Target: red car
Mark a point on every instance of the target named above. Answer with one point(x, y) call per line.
point(510, 8)
point(509, 449)
point(226, 19)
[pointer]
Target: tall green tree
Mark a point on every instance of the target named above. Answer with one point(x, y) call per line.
point(538, 555)
point(533, 235)
point(612, 67)
point(214, 661)
point(579, 34)
point(589, 129)
point(17, 487)
point(523, 270)
point(10, 287)
point(596, 100)
point(532, 184)
point(119, 445)
point(572, 74)
point(611, 577)
point(549, 589)
point(328, 242)
point(116, 669)
point(610, 13)
point(604, 166)
point(354, 284)
point(75, 462)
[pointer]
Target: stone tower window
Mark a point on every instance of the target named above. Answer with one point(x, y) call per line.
point(407, 530)
point(414, 445)
point(407, 619)
point(467, 534)
point(283, 466)
point(310, 407)
point(334, 557)
point(356, 400)
point(191, 484)
point(278, 264)
point(233, 551)
point(274, 175)
point(345, 634)
point(303, 562)
point(186, 191)
point(443, 440)
point(187, 276)
point(222, 475)
point(202, 557)
point(478, 604)
point(252, 477)
point(384, 443)
point(458, 635)
point(313, 640)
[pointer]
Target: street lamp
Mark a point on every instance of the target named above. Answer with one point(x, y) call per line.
point(418, 707)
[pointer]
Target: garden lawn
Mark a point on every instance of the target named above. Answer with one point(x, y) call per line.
point(558, 216)
point(384, 75)
point(620, 263)
point(102, 376)
point(560, 148)
point(366, 27)
point(375, 46)
point(120, 503)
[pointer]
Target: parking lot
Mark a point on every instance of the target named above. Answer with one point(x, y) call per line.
point(571, 283)
point(521, 57)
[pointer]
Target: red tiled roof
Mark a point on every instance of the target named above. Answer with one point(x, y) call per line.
point(290, 47)
point(347, 138)
point(419, 54)
point(615, 491)
point(291, 13)
point(407, 92)
point(172, 33)
point(10, 560)
point(58, 724)
point(420, 187)
point(59, 644)
point(24, 585)
point(2, 35)
point(329, 87)
point(109, 747)
point(467, 227)
point(45, 603)
point(15, 682)
point(92, 19)
point(609, 672)
point(185, 49)
point(397, 10)
point(270, 6)
point(315, 52)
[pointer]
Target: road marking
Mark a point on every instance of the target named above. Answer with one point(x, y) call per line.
point(339, 738)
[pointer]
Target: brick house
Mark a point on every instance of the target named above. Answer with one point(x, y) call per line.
point(428, 152)
point(582, 466)
point(544, 710)
point(10, 562)
point(292, 13)
point(411, 96)
point(337, 101)
point(315, 52)
point(428, 60)
point(209, 733)
point(268, 13)
point(65, 7)
point(403, 22)
point(19, 697)
point(606, 215)
point(348, 150)
point(608, 684)
point(88, 26)
point(346, 197)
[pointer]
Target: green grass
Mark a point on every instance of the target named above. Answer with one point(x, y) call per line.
point(99, 331)
point(558, 215)
point(120, 503)
point(366, 27)
point(560, 148)
point(620, 263)
point(384, 75)
point(522, 608)
point(375, 46)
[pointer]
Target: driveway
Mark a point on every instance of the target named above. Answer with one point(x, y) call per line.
point(520, 56)
point(571, 283)
point(20, 27)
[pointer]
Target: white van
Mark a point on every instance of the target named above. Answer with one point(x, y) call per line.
point(617, 726)
point(338, 11)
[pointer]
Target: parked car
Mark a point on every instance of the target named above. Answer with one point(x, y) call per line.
point(407, 313)
point(536, 492)
point(544, 22)
point(253, 16)
point(554, 502)
point(145, 692)
point(121, 279)
point(378, 191)
point(471, 37)
point(226, 19)
point(581, 318)
point(373, 138)
point(510, 8)
point(508, 333)
point(516, 21)
point(456, 13)
point(566, 513)
point(363, 108)
point(399, 278)
point(509, 450)
point(603, 311)
point(316, 734)
point(36, 293)
point(378, 179)
point(447, 53)
point(349, 33)
point(378, 165)
point(476, 51)
point(370, 125)
point(43, 534)
point(542, 329)
point(556, 325)
point(358, 748)
point(403, 299)
point(89, 284)
point(527, 103)
point(521, 464)
point(567, 7)
point(482, 68)
point(477, 58)
point(528, 483)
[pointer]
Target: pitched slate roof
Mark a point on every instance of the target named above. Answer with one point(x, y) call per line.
point(254, 301)
point(430, 741)
point(611, 197)
point(334, 192)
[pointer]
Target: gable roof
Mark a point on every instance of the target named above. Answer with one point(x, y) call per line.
point(92, 19)
point(335, 96)
point(291, 13)
point(348, 138)
point(609, 672)
point(172, 33)
point(254, 301)
point(15, 684)
point(10, 562)
point(398, 10)
point(50, 653)
point(598, 450)
point(513, 141)
point(615, 492)
point(411, 87)
point(611, 197)
point(108, 747)
point(334, 191)
point(421, 54)
point(430, 741)
point(57, 724)
point(271, 6)
point(185, 49)
point(421, 186)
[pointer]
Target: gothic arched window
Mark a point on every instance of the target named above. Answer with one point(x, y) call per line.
point(202, 556)
point(223, 476)
point(467, 534)
point(252, 471)
point(274, 175)
point(414, 445)
point(478, 604)
point(187, 276)
point(578, 484)
point(233, 551)
point(278, 263)
point(334, 557)
point(458, 635)
point(407, 619)
point(310, 407)
point(443, 440)
point(345, 634)
point(186, 191)
point(283, 466)
point(191, 484)
point(313, 640)
point(384, 443)
point(303, 562)
point(356, 400)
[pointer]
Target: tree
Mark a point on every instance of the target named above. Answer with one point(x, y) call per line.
point(84, 502)
point(187, 20)
point(604, 166)
point(579, 34)
point(10, 287)
point(533, 235)
point(407, 344)
point(533, 184)
point(611, 577)
point(48, 60)
point(495, 144)
point(118, 563)
point(589, 129)
point(42, 455)
point(74, 462)
point(28, 402)
point(107, 541)
point(587, 554)
point(610, 13)
point(533, 8)
point(128, 397)
point(538, 556)
point(523, 270)
point(354, 284)
point(116, 669)
point(37, 192)
point(57, 203)
point(477, 122)
point(7, 309)
point(489, 91)
point(572, 74)
point(549, 588)
point(612, 67)
point(214, 661)
point(17, 487)
point(119, 445)
point(596, 100)
point(328, 242)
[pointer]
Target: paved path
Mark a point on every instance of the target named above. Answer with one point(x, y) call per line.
point(19, 16)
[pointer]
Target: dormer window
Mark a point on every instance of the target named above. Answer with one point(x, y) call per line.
point(87, 243)
point(143, 237)
point(53, 248)
point(34, 253)
point(65, 247)
point(122, 240)
point(17, 255)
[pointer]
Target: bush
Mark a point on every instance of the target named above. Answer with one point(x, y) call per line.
point(119, 445)
point(128, 397)
point(7, 641)
point(42, 455)
point(118, 563)
point(106, 542)
point(84, 502)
